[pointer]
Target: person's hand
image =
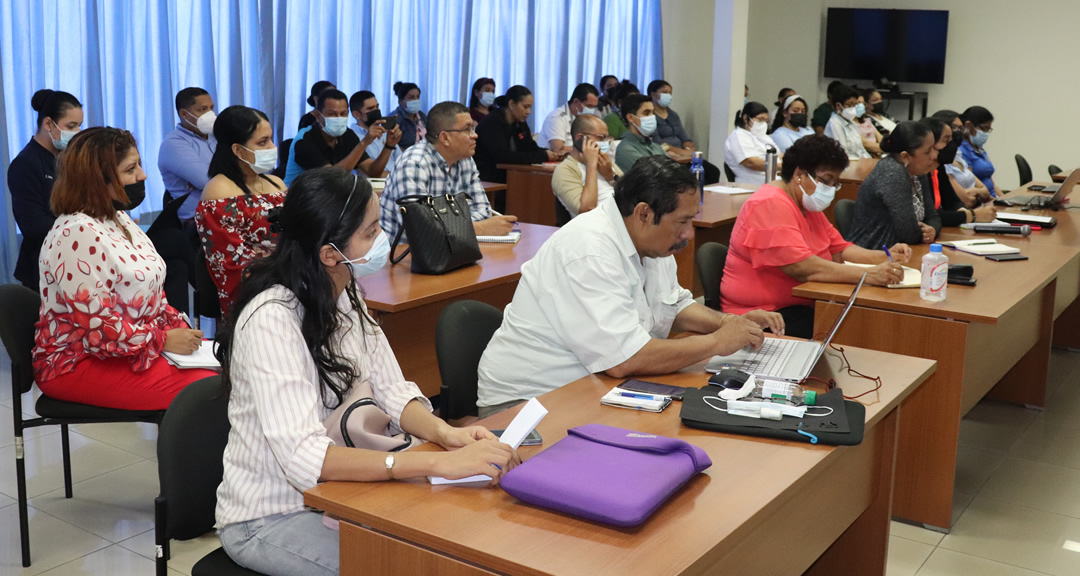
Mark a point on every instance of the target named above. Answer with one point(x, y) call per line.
point(771, 320)
point(884, 274)
point(591, 151)
point(183, 340)
point(928, 233)
point(985, 213)
point(901, 253)
point(495, 226)
point(736, 333)
point(393, 137)
point(487, 456)
point(452, 438)
point(375, 131)
point(553, 155)
point(604, 166)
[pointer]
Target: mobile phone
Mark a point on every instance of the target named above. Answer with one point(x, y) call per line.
point(579, 142)
point(533, 439)
point(676, 392)
point(1036, 188)
point(962, 281)
point(389, 122)
point(1006, 257)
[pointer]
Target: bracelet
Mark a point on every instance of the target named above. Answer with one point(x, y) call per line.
point(390, 467)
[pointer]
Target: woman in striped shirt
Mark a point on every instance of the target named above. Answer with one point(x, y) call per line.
point(298, 339)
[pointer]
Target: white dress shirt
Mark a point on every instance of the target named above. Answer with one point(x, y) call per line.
point(847, 134)
point(742, 144)
point(556, 127)
point(585, 303)
point(278, 442)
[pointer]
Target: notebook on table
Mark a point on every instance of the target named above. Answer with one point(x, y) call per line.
point(202, 358)
point(912, 276)
point(512, 238)
point(981, 247)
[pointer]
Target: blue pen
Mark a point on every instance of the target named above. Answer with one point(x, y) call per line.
point(887, 253)
point(640, 396)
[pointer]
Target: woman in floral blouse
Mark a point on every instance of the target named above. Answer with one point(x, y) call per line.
point(104, 319)
point(231, 216)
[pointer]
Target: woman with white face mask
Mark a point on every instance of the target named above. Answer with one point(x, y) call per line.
point(843, 126)
point(782, 239)
point(744, 151)
point(978, 124)
point(298, 345)
point(231, 216)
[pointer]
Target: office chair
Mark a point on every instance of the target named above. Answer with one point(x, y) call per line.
point(191, 443)
point(282, 158)
point(206, 296)
point(1024, 169)
point(711, 258)
point(1054, 170)
point(18, 313)
point(729, 173)
point(462, 333)
point(844, 213)
point(562, 215)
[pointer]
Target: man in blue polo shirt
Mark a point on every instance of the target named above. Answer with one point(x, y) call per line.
point(185, 153)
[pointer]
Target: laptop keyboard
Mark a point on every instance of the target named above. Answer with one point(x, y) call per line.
point(771, 359)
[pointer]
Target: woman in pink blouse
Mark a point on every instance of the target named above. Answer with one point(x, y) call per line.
point(782, 239)
point(104, 319)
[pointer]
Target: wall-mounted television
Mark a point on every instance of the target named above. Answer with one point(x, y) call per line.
point(901, 45)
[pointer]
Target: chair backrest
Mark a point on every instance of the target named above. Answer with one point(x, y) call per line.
point(282, 158)
point(462, 333)
point(1054, 170)
point(1024, 169)
point(191, 442)
point(19, 310)
point(206, 301)
point(562, 215)
point(844, 213)
point(711, 258)
point(729, 173)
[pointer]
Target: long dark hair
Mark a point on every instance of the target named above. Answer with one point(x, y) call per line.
point(324, 206)
point(779, 120)
point(750, 109)
point(235, 125)
point(474, 102)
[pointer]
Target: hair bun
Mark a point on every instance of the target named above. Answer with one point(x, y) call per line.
point(37, 101)
point(886, 144)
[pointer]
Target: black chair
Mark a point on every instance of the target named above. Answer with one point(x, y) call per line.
point(191, 443)
point(729, 173)
point(562, 215)
point(462, 333)
point(1054, 170)
point(18, 312)
point(282, 158)
point(207, 303)
point(1024, 169)
point(844, 213)
point(711, 258)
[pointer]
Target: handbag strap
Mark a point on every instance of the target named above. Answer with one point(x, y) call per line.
point(397, 238)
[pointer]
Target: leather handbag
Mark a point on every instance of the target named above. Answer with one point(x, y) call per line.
point(359, 423)
point(440, 233)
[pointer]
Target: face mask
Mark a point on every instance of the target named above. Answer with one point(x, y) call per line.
point(860, 110)
point(980, 138)
point(604, 145)
point(487, 98)
point(371, 262)
point(65, 137)
point(335, 126)
point(665, 100)
point(798, 120)
point(759, 128)
point(878, 108)
point(647, 126)
point(822, 197)
point(587, 110)
point(372, 117)
point(849, 113)
point(265, 160)
point(204, 123)
point(948, 154)
point(135, 193)
point(412, 106)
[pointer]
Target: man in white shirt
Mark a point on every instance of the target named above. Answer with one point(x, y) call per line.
point(841, 126)
point(588, 175)
point(555, 135)
point(602, 295)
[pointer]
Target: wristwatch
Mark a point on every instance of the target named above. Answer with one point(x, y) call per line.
point(390, 467)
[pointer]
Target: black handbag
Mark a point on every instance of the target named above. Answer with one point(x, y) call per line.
point(441, 235)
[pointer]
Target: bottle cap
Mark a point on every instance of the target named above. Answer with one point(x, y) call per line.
point(810, 398)
point(935, 248)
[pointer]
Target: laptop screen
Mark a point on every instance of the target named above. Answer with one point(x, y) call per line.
point(839, 320)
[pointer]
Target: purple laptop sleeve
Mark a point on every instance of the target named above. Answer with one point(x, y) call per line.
point(606, 474)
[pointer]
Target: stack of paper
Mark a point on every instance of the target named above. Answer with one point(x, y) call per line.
point(981, 247)
point(512, 238)
point(202, 358)
point(525, 422)
point(623, 398)
point(721, 189)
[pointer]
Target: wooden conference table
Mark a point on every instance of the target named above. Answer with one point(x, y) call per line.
point(992, 340)
point(1061, 176)
point(764, 507)
point(408, 305)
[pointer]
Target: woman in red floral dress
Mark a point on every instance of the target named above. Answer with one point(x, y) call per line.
point(104, 320)
point(231, 216)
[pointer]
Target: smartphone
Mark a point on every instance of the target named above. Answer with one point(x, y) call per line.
point(676, 392)
point(389, 122)
point(962, 281)
point(533, 439)
point(578, 143)
point(1036, 188)
point(1006, 257)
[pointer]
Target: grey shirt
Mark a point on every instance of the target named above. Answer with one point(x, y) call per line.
point(886, 210)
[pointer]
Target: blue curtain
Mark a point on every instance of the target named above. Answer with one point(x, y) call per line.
point(126, 59)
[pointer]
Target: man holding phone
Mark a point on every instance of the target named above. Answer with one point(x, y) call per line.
point(364, 108)
point(588, 174)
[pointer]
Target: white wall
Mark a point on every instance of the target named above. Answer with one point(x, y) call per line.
point(688, 45)
point(1018, 59)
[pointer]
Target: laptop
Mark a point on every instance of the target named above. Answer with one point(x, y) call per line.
point(1060, 193)
point(780, 359)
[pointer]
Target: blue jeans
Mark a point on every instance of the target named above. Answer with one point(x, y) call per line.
point(284, 545)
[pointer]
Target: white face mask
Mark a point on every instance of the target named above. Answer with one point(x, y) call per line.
point(65, 137)
point(204, 123)
point(647, 125)
point(265, 160)
point(849, 113)
point(371, 262)
point(821, 198)
point(759, 129)
point(487, 98)
point(335, 126)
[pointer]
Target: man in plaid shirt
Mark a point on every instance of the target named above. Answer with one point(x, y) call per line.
point(439, 165)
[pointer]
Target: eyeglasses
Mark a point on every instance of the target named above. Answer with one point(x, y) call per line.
point(471, 130)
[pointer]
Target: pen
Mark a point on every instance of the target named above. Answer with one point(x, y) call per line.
point(495, 213)
point(640, 396)
point(887, 253)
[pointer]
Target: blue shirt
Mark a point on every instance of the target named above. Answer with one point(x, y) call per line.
point(785, 137)
point(408, 127)
point(979, 163)
point(184, 160)
point(292, 169)
point(375, 148)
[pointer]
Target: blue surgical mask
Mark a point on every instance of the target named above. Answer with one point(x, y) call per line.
point(665, 99)
point(648, 125)
point(371, 262)
point(65, 137)
point(860, 110)
point(487, 98)
point(980, 138)
point(604, 145)
point(335, 126)
point(821, 198)
point(412, 106)
point(587, 110)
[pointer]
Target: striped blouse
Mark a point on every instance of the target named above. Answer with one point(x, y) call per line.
point(277, 443)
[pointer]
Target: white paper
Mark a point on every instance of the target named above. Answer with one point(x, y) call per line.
point(1026, 218)
point(525, 422)
point(201, 358)
point(912, 276)
point(512, 238)
point(721, 189)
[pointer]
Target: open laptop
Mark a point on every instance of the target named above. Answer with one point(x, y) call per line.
point(780, 359)
point(1060, 193)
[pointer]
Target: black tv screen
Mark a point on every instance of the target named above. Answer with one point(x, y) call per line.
point(901, 45)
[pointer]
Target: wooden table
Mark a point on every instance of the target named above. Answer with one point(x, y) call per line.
point(1061, 176)
point(766, 507)
point(528, 192)
point(991, 340)
point(408, 305)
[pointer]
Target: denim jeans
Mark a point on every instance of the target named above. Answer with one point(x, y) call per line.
point(284, 545)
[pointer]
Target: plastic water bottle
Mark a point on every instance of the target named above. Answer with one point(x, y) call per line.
point(935, 274)
point(784, 392)
point(697, 168)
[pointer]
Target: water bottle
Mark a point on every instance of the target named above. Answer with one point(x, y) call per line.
point(770, 164)
point(935, 275)
point(697, 168)
point(783, 392)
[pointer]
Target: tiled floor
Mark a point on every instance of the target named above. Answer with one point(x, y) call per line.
point(1016, 511)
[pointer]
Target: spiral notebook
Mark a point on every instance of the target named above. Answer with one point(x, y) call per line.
point(201, 358)
point(511, 238)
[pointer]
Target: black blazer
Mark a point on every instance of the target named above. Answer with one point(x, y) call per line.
point(500, 142)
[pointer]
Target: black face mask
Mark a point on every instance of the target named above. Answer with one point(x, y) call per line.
point(373, 117)
point(879, 108)
point(948, 154)
point(135, 192)
point(798, 120)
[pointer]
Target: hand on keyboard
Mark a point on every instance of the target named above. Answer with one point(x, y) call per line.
point(735, 333)
point(771, 320)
